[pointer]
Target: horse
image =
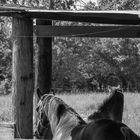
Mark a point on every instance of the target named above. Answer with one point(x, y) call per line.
point(111, 108)
point(66, 124)
point(44, 130)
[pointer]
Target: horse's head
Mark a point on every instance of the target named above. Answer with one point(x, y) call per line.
point(57, 117)
point(43, 129)
point(111, 108)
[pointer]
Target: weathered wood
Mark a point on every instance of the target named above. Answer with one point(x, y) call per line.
point(88, 31)
point(105, 17)
point(23, 77)
point(44, 72)
point(44, 66)
point(44, 60)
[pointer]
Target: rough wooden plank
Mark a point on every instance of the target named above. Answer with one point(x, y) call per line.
point(109, 17)
point(89, 31)
point(23, 77)
point(106, 17)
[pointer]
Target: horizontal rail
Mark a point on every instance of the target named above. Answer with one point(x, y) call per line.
point(88, 31)
point(105, 17)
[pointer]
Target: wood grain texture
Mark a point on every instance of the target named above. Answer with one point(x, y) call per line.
point(88, 31)
point(44, 60)
point(104, 17)
point(23, 77)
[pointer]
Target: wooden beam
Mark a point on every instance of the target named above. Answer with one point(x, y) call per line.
point(88, 31)
point(23, 77)
point(104, 17)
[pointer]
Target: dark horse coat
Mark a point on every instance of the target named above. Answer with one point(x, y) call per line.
point(111, 108)
point(66, 124)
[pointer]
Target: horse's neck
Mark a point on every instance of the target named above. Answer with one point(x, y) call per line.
point(65, 126)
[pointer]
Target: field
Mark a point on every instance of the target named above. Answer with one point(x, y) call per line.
point(85, 104)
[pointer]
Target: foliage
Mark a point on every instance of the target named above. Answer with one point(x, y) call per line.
point(119, 4)
point(6, 40)
point(98, 59)
point(5, 55)
point(81, 63)
point(122, 54)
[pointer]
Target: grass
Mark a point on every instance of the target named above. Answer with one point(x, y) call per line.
point(85, 104)
point(6, 108)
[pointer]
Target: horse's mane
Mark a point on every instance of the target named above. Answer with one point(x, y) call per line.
point(62, 118)
point(68, 109)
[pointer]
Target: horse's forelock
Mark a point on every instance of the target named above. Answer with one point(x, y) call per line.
point(42, 104)
point(46, 97)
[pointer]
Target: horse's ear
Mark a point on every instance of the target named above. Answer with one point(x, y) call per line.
point(39, 93)
point(52, 92)
point(60, 111)
point(112, 107)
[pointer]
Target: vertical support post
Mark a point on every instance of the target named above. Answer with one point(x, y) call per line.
point(23, 77)
point(45, 59)
point(44, 71)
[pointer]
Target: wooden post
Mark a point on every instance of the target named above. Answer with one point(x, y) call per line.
point(45, 57)
point(23, 77)
point(44, 67)
point(44, 60)
point(44, 71)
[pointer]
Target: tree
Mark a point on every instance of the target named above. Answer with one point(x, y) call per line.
point(119, 4)
point(5, 54)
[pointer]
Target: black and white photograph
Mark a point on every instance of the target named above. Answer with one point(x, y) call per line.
point(70, 69)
